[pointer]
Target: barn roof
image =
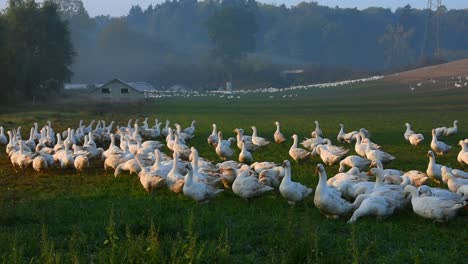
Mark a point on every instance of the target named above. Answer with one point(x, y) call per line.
point(139, 86)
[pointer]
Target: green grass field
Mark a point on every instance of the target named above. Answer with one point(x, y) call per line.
point(60, 217)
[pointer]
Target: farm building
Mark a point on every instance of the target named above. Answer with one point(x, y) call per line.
point(120, 91)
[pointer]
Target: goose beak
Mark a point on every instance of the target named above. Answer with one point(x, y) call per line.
point(369, 173)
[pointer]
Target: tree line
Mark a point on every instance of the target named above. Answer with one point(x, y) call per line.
point(203, 44)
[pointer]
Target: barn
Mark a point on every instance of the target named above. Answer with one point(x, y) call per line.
point(119, 91)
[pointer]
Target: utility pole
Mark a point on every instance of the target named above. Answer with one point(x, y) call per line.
point(432, 27)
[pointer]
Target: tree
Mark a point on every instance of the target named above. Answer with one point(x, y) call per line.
point(39, 52)
point(232, 31)
point(397, 49)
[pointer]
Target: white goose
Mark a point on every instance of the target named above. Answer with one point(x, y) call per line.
point(328, 157)
point(259, 141)
point(425, 190)
point(248, 187)
point(245, 156)
point(439, 147)
point(223, 150)
point(191, 129)
point(278, 136)
point(460, 174)
point(379, 206)
point(452, 130)
point(413, 138)
point(31, 143)
point(298, 154)
point(175, 181)
point(327, 199)
point(148, 180)
point(198, 190)
point(453, 183)
point(65, 158)
point(247, 140)
point(375, 154)
point(462, 157)
point(354, 161)
point(317, 132)
point(311, 143)
point(81, 163)
point(346, 137)
point(434, 170)
point(292, 191)
point(131, 166)
point(213, 137)
point(432, 207)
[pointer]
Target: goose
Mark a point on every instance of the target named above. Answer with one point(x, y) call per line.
point(30, 143)
point(327, 199)
point(440, 131)
point(37, 135)
point(359, 147)
point(354, 161)
point(434, 170)
point(393, 192)
point(245, 156)
point(379, 206)
point(311, 143)
point(375, 154)
point(148, 180)
point(213, 137)
point(432, 207)
point(416, 139)
point(200, 174)
point(439, 147)
point(339, 151)
point(159, 168)
point(453, 183)
point(278, 136)
point(182, 135)
point(40, 163)
point(247, 140)
point(191, 129)
point(462, 157)
point(113, 162)
point(409, 131)
point(130, 165)
point(112, 149)
point(364, 132)
point(81, 163)
point(175, 181)
point(182, 149)
point(452, 130)
point(292, 191)
point(165, 130)
point(317, 132)
point(460, 174)
point(22, 158)
point(298, 154)
point(425, 190)
point(3, 138)
point(346, 137)
point(259, 141)
point(248, 187)
point(224, 152)
point(327, 156)
point(65, 158)
point(198, 190)
point(59, 145)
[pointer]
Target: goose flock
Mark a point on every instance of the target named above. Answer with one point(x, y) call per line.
point(137, 149)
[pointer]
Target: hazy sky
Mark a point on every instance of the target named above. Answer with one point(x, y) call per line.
point(121, 7)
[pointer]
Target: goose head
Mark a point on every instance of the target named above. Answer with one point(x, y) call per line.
point(193, 154)
point(286, 164)
point(341, 126)
point(455, 123)
point(412, 190)
point(220, 136)
point(433, 132)
point(430, 154)
point(424, 191)
point(407, 125)
point(319, 169)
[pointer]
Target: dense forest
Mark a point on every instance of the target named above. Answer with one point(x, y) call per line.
point(202, 44)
